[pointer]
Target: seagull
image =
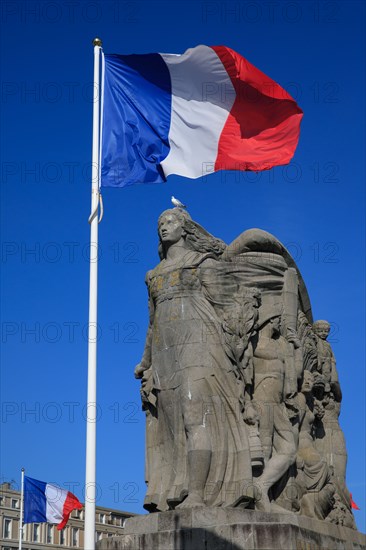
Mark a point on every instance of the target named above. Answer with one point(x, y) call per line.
point(177, 203)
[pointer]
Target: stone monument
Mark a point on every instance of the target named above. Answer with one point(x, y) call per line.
point(242, 398)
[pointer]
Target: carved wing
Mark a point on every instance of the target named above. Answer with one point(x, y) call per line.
point(259, 249)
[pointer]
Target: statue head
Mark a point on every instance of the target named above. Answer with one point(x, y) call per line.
point(170, 228)
point(307, 382)
point(271, 314)
point(176, 224)
point(321, 329)
point(275, 323)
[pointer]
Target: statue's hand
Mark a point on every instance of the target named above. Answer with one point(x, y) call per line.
point(292, 407)
point(148, 396)
point(293, 338)
point(250, 414)
point(144, 396)
point(140, 369)
point(319, 410)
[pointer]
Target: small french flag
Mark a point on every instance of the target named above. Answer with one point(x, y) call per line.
point(44, 502)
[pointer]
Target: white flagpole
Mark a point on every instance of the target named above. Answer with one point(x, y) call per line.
point(90, 478)
point(21, 511)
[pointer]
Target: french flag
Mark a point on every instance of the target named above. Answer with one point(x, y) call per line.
point(45, 502)
point(206, 110)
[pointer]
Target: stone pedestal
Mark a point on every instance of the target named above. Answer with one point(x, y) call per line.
point(231, 529)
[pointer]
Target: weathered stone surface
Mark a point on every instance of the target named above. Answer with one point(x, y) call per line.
point(233, 529)
point(240, 388)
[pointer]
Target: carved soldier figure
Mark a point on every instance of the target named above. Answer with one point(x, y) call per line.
point(273, 386)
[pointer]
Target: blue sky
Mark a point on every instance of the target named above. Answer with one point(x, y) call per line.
point(315, 206)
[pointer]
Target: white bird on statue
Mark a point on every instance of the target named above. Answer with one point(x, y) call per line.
point(177, 203)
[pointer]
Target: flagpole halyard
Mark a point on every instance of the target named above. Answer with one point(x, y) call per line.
point(90, 470)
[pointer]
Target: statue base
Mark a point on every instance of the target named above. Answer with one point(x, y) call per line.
point(231, 529)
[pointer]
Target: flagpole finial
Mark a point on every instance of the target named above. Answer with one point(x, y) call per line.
point(22, 470)
point(97, 42)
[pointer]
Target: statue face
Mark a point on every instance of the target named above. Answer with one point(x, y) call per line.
point(322, 331)
point(308, 382)
point(170, 229)
point(276, 325)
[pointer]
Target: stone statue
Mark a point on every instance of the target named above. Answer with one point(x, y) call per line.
point(325, 356)
point(329, 438)
point(340, 514)
point(271, 390)
point(199, 453)
point(314, 474)
point(239, 387)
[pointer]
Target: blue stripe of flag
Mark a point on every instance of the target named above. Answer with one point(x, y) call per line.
point(136, 119)
point(34, 500)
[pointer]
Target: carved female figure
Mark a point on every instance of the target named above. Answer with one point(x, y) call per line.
point(197, 443)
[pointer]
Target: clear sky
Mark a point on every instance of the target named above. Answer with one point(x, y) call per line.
point(315, 206)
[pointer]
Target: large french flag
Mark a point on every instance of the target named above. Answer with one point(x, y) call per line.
point(206, 110)
point(45, 502)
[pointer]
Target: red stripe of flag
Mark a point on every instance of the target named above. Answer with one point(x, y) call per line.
point(263, 127)
point(71, 503)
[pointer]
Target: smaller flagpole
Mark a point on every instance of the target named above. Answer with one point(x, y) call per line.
point(21, 511)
